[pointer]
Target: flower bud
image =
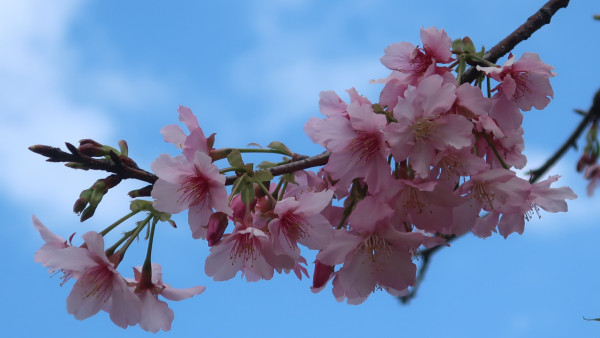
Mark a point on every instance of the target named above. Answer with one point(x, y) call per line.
point(321, 276)
point(216, 227)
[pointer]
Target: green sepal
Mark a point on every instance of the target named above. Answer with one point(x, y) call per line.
point(457, 46)
point(262, 176)
point(266, 164)
point(235, 159)
point(276, 145)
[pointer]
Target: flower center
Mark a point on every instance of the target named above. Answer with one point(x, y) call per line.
point(194, 189)
point(294, 228)
point(97, 282)
point(364, 146)
point(423, 129)
point(481, 193)
point(377, 250)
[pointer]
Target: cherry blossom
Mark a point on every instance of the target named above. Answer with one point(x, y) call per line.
point(406, 58)
point(195, 184)
point(156, 314)
point(526, 82)
point(356, 144)
point(423, 125)
point(189, 144)
point(298, 221)
point(246, 249)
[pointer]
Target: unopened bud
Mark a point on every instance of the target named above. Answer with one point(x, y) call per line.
point(321, 276)
point(216, 227)
point(87, 213)
point(123, 148)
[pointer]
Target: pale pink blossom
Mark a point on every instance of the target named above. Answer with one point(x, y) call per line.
point(409, 59)
point(356, 143)
point(189, 144)
point(190, 183)
point(45, 255)
point(156, 314)
point(592, 173)
point(248, 250)
point(496, 190)
point(99, 285)
point(526, 82)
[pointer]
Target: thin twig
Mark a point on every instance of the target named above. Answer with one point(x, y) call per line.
point(125, 167)
point(535, 22)
point(592, 114)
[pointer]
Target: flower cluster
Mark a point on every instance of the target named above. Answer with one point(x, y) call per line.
point(433, 159)
point(100, 286)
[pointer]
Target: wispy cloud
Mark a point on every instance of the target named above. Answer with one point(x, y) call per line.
point(37, 75)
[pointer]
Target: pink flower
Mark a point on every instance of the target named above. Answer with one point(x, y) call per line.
point(46, 254)
point(406, 58)
point(374, 253)
point(592, 173)
point(424, 126)
point(99, 285)
point(356, 144)
point(156, 314)
point(513, 220)
point(526, 82)
point(196, 141)
point(247, 249)
point(298, 220)
point(195, 184)
point(496, 190)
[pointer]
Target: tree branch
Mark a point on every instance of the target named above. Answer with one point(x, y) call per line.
point(592, 114)
point(123, 166)
point(535, 22)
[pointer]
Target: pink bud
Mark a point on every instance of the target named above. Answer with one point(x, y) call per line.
point(321, 275)
point(216, 227)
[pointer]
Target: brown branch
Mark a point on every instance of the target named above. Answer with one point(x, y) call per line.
point(592, 115)
point(123, 166)
point(535, 22)
point(304, 163)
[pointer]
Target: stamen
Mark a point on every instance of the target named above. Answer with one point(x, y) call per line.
point(364, 146)
point(194, 189)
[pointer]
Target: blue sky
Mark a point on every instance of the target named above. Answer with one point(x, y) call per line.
point(252, 72)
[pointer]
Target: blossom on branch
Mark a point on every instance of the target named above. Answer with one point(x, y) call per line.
point(193, 184)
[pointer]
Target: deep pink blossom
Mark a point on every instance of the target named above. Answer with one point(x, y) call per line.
point(299, 221)
point(424, 126)
point(513, 220)
point(374, 253)
point(195, 184)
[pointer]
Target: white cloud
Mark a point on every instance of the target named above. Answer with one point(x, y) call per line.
point(38, 69)
point(285, 69)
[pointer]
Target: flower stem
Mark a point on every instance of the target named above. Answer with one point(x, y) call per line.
point(115, 224)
